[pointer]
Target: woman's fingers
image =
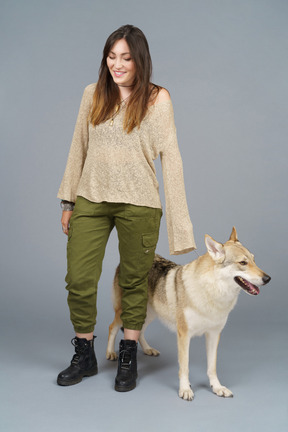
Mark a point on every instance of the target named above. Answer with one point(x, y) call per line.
point(65, 229)
point(66, 215)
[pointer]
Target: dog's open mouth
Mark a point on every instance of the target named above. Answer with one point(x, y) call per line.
point(247, 286)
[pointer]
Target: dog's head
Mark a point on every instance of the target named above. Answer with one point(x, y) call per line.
point(233, 260)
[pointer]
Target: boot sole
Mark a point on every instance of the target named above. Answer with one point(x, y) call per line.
point(124, 388)
point(77, 380)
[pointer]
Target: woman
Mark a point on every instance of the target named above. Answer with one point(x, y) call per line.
point(124, 123)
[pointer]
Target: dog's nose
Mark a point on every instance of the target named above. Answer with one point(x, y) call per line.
point(266, 279)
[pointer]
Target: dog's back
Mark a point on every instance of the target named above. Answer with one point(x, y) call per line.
point(159, 270)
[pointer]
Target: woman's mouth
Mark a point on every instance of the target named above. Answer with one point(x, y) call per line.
point(118, 74)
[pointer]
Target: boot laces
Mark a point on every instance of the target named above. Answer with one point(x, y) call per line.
point(125, 358)
point(78, 349)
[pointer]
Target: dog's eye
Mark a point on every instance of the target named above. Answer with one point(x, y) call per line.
point(243, 263)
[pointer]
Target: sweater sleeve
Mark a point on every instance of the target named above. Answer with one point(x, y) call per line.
point(179, 226)
point(78, 149)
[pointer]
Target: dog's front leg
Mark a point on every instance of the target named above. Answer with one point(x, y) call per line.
point(183, 340)
point(212, 341)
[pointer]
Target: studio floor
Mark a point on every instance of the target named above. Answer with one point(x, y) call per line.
point(252, 362)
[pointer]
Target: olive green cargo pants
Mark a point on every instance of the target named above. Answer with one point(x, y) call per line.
point(90, 227)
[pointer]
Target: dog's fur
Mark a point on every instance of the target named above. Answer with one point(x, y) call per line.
point(193, 300)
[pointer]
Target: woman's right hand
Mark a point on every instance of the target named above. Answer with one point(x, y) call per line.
point(66, 215)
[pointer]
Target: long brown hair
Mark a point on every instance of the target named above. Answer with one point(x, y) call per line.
point(107, 95)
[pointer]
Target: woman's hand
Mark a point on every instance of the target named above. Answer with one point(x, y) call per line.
point(66, 215)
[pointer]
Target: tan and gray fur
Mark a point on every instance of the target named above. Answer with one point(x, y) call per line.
point(195, 299)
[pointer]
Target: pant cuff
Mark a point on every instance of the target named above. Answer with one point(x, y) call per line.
point(132, 326)
point(84, 329)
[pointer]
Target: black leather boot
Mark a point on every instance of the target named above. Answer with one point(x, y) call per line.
point(127, 366)
point(83, 363)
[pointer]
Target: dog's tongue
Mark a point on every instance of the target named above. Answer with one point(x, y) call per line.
point(253, 289)
point(247, 286)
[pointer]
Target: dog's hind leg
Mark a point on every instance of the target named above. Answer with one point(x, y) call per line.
point(113, 330)
point(148, 350)
point(212, 341)
point(117, 322)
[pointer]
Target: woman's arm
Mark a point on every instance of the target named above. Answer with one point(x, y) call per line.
point(179, 226)
point(78, 149)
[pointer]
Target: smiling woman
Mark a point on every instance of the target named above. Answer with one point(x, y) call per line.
point(121, 65)
point(125, 74)
point(125, 122)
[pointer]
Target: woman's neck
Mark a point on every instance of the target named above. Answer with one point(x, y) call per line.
point(125, 92)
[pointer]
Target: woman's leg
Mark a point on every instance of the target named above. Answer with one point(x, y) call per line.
point(89, 230)
point(88, 336)
point(90, 227)
point(138, 231)
point(131, 334)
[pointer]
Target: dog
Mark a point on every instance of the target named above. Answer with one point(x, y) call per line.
point(195, 299)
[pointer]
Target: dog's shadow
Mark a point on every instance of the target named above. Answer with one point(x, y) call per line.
point(164, 366)
point(152, 365)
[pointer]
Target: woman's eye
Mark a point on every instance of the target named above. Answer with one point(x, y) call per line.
point(128, 59)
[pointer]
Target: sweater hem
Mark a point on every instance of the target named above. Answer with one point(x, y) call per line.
point(117, 200)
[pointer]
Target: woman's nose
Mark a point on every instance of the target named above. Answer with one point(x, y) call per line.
point(118, 62)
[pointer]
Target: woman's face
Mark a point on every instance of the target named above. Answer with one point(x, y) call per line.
point(120, 64)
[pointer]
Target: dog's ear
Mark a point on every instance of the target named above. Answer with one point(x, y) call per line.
point(233, 236)
point(215, 249)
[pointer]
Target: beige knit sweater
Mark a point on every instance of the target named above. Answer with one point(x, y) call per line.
point(107, 164)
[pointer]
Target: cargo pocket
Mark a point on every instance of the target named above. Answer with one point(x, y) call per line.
point(149, 242)
point(147, 253)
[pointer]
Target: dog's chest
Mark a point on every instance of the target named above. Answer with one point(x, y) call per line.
point(198, 323)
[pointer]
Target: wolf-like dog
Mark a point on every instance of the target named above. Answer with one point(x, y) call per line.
point(195, 299)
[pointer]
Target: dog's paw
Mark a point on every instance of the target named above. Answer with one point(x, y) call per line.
point(222, 391)
point(151, 352)
point(186, 394)
point(111, 355)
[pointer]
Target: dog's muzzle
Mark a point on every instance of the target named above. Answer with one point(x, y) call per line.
point(249, 287)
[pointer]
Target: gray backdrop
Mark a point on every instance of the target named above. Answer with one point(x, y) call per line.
point(225, 64)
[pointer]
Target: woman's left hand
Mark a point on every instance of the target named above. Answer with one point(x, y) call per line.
point(66, 215)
